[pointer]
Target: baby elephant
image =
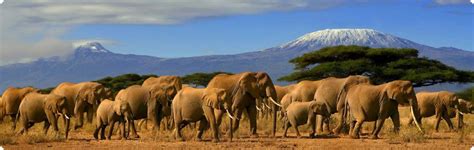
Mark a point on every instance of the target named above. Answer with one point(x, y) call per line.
point(299, 113)
point(192, 105)
point(35, 108)
point(108, 113)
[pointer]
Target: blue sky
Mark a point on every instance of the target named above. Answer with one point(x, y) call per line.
point(207, 29)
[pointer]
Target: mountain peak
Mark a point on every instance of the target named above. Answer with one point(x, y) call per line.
point(91, 47)
point(333, 37)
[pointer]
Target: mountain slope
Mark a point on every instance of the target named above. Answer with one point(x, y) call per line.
point(92, 61)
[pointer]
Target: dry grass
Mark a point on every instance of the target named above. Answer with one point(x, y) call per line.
point(408, 136)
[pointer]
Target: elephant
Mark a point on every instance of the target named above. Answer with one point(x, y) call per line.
point(46, 108)
point(245, 95)
point(281, 92)
point(269, 94)
point(365, 102)
point(437, 103)
point(303, 91)
point(299, 113)
point(82, 98)
point(193, 104)
point(146, 103)
point(330, 92)
point(108, 113)
point(11, 99)
point(165, 81)
point(464, 107)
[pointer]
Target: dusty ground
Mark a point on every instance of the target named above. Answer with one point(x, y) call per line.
point(407, 138)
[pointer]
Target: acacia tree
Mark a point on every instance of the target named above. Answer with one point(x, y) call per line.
point(380, 64)
point(200, 79)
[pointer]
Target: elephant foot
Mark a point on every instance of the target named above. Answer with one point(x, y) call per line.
point(374, 137)
point(180, 139)
point(198, 139)
point(255, 135)
point(108, 138)
point(298, 136)
point(312, 136)
point(335, 131)
point(354, 136)
point(136, 136)
point(215, 140)
point(102, 138)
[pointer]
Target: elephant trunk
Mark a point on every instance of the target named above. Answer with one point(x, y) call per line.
point(415, 112)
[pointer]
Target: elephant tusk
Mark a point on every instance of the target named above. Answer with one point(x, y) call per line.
point(258, 108)
point(266, 106)
point(66, 117)
point(461, 112)
point(230, 116)
point(274, 102)
point(416, 121)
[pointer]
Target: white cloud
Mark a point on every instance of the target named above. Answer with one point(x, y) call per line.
point(451, 2)
point(27, 24)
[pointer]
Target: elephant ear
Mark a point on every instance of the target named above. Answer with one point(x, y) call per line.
point(210, 99)
point(51, 105)
point(117, 108)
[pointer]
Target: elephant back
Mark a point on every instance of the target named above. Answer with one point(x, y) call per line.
point(136, 96)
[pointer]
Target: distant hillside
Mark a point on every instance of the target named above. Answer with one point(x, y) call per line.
point(92, 61)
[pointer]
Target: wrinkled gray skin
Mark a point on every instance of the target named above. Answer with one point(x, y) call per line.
point(331, 92)
point(439, 104)
point(146, 103)
point(108, 113)
point(300, 113)
point(45, 108)
point(245, 96)
point(11, 99)
point(377, 102)
point(83, 97)
point(192, 105)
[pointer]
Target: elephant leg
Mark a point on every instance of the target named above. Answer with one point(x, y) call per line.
point(356, 130)
point(46, 127)
point(448, 121)
point(326, 125)
point(438, 120)
point(203, 123)
point(319, 121)
point(297, 131)
point(252, 113)
point(111, 129)
point(135, 134)
point(102, 132)
point(287, 125)
point(340, 123)
point(395, 117)
point(90, 114)
point(238, 114)
point(351, 126)
point(379, 126)
point(460, 121)
point(313, 128)
point(96, 131)
point(179, 127)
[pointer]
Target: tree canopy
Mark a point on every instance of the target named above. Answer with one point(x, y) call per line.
point(200, 78)
point(123, 81)
point(380, 64)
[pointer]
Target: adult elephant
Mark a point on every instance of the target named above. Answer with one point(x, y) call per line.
point(437, 103)
point(377, 102)
point(11, 99)
point(283, 90)
point(245, 96)
point(269, 94)
point(331, 92)
point(465, 107)
point(146, 103)
point(45, 108)
point(173, 82)
point(193, 104)
point(81, 97)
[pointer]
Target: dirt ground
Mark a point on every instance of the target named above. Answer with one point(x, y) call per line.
point(407, 138)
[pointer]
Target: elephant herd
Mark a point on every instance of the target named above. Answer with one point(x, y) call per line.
point(354, 98)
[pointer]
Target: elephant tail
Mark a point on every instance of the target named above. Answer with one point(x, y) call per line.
point(16, 119)
point(345, 113)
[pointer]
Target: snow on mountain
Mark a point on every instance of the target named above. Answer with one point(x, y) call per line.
point(333, 37)
point(94, 47)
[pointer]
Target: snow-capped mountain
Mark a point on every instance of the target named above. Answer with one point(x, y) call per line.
point(333, 37)
point(92, 61)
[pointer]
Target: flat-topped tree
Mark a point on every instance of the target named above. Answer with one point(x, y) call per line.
point(380, 64)
point(200, 78)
